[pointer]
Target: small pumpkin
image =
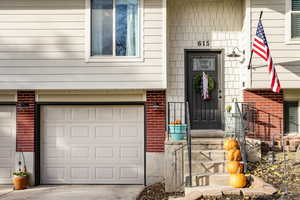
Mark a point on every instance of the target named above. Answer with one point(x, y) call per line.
point(233, 167)
point(230, 143)
point(237, 180)
point(177, 122)
point(234, 155)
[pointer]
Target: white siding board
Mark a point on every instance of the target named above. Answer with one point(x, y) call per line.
point(41, 18)
point(41, 33)
point(42, 25)
point(75, 63)
point(82, 85)
point(80, 71)
point(79, 78)
point(41, 40)
point(42, 46)
point(58, 11)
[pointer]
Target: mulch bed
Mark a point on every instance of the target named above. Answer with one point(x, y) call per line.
point(154, 192)
point(270, 173)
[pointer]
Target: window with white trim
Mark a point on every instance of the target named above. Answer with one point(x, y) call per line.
point(115, 28)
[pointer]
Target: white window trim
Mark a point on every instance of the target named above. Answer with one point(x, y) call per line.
point(288, 24)
point(113, 58)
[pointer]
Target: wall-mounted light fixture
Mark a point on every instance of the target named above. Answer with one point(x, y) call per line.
point(155, 105)
point(234, 54)
point(23, 105)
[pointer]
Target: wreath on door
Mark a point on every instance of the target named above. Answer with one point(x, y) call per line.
point(198, 86)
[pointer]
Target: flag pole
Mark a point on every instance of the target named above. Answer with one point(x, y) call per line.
point(251, 55)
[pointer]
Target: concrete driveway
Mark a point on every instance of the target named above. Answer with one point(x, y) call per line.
point(73, 192)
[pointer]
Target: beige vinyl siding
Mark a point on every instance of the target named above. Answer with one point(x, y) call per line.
point(285, 56)
point(42, 46)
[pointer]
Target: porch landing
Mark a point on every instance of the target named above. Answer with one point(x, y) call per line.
point(257, 188)
point(207, 133)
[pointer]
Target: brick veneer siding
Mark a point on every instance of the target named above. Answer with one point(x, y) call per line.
point(156, 121)
point(269, 113)
point(25, 121)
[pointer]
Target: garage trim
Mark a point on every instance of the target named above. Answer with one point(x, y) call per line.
point(37, 144)
point(11, 103)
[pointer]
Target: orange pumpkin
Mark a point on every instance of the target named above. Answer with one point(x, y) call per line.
point(178, 122)
point(230, 143)
point(237, 180)
point(234, 155)
point(233, 167)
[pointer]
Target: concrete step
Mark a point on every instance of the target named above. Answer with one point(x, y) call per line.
point(207, 144)
point(196, 192)
point(210, 179)
point(219, 179)
point(206, 167)
point(206, 155)
point(211, 133)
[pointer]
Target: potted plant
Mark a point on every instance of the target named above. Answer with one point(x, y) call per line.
point(177, 130)
point(20, 180)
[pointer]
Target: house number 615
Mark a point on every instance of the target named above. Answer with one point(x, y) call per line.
point(204, 43)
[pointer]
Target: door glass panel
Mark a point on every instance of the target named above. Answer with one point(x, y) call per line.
point(204, 64)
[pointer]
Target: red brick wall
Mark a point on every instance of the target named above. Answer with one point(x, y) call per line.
point(269, 112)
point(25, 121)
point(156, 121)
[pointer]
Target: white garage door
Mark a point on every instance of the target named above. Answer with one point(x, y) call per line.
point(7, 142)
point(92, 144)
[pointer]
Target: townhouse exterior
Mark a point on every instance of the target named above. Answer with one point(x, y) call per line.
point(85, 83)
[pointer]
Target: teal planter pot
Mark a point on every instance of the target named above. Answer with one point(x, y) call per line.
point(177, 131)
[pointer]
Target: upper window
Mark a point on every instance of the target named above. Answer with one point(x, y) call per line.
point(295, 19)
point(115, 28)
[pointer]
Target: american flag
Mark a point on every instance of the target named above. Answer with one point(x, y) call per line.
point(261, 48)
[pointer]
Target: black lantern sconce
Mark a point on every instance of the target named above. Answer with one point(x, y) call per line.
point(155, 105)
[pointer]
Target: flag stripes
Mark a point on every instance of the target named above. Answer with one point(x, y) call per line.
point(260, 47)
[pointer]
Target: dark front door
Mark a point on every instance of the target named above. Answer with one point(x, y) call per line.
point(205, 111)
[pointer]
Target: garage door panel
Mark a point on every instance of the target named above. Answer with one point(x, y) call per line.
point(55, 153)
point(6, 153)
point(7, 142)
point(105, 114)
point(104, 132)
point(94, 144)
point(54, 114)
point(81, 114)
point(80, 132)
point(130, 153)
point(105, 153)
point(5, 173)
point(7, 132)
point(105, 173)
point(54, 173)
point(82, 173)
point(82, 153)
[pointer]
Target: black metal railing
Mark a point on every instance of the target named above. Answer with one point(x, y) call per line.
point(244, 124)
point(176, 111)
point(243, 121)
point(189, 143)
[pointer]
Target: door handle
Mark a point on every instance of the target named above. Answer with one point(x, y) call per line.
point(220, 91)
point(220, 97)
